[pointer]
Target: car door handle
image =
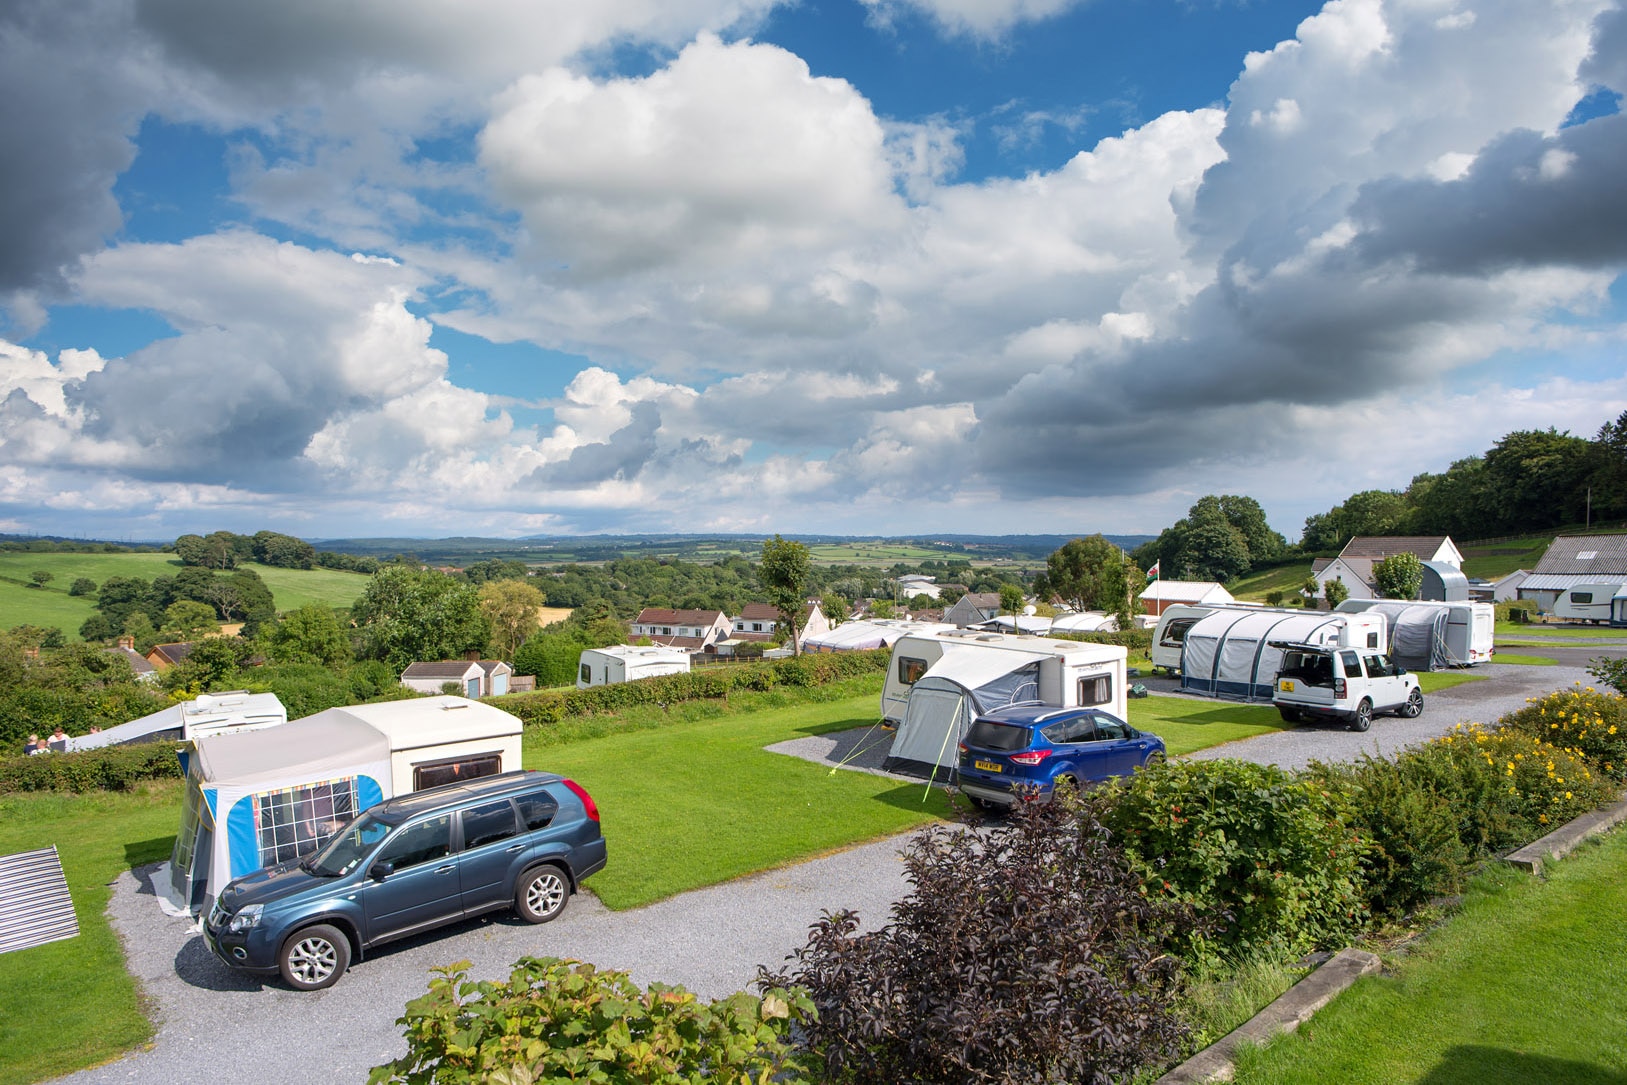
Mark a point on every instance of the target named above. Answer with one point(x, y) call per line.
point(514, 848)
point(445, 869)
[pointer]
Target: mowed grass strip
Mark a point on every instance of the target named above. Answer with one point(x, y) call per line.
point(1524, 985)
point(1188, 723)
point(1435, 681)
point(701, 801)
point(71, 1004)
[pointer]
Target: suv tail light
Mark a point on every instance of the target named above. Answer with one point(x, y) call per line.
point(1032, 757)
point(590, 807)
point(1339, 688)
point(961, 746)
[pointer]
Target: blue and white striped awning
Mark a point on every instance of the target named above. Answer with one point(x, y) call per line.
point(35, 907)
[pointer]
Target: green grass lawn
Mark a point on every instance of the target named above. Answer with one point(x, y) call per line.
point(700, 801)
point(1435, 681)
point(1187, 724)
point(1524, 660)
point(71, 1004)
point(1521, 630)
point(1524, 985)
point(53, 606)
point(1284, 578)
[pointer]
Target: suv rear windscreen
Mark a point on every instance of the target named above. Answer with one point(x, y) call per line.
point(988, 735)
point(1312, 668)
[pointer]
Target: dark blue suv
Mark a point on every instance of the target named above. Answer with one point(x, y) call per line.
point(522, 840)
point(1036, 745)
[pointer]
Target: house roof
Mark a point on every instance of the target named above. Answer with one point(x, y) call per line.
point(1382, 546)
point(1181, 591)
point(490, 666)
point(1598, 555)
point(668, 616)
point(445, 668)
point(171, 653)
point(981, 599)
point(681, 642)
point(760, 612)
point(138, 662)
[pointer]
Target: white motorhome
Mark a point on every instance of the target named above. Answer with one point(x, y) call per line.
point(208, 714)
point(1590, 602)
point(938, 683)
point(627, 663)
point(1428, 635)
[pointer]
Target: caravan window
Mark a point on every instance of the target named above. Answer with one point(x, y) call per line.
point(456, 770)
point(1581, 597)
point(587, 674)
point(910, 670)
point(1096, 689)
point(295, 820)
point(1175, 632)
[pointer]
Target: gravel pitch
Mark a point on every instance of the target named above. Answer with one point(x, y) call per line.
point(213, 1020)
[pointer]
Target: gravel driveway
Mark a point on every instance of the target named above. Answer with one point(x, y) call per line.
point(213, 1020)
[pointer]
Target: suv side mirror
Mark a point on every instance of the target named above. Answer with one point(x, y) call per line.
point(381, 870)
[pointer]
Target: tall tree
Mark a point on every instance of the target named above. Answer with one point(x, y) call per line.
point(510, 607)
point(408, 614)
point(784, 573)
point(311, 634)
point(1399, 576)
point(1089, 574)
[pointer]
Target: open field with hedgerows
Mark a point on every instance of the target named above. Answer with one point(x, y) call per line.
point(23, 603)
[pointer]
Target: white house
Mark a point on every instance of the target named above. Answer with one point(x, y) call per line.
point(1355, 562)
point(757, 621)
point(475, 677)
point(692, 629)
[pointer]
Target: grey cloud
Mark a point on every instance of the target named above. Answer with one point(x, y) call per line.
point(623, 456)
point(72, 107)
point(1607, 65)
point(1528, 200)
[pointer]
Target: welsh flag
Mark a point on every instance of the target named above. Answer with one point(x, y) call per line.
point(1152, 574)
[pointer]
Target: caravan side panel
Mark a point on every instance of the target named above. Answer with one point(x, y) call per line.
point(1586, 602)
point(910, 660)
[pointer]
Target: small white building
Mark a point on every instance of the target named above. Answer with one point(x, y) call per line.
point(474, 677)
point(1166, 593)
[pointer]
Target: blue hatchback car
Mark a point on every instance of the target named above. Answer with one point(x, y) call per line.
point(521, 840)
point(1035, 745)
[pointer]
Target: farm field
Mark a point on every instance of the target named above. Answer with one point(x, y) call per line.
point(52, 605)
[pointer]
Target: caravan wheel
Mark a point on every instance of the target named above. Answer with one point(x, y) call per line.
point(314, 958)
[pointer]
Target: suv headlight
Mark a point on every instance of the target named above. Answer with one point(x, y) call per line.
point(245, 919)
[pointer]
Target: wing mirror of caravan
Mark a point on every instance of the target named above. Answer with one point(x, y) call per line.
point(379, 871)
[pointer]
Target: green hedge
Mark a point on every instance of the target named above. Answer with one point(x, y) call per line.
point(704, 683)
point(113, 768)
point(1133, 639)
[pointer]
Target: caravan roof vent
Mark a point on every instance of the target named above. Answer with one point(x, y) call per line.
point(990, 636)
point(454, 707)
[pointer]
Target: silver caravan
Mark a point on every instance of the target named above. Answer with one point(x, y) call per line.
point(1431, 636)
point(938, 683)
point(626, 663)
point(188, 721)
point(1235, 654)
point(1169, 634)
point(1604, 602)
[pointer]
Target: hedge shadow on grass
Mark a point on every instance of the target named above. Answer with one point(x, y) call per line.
point(1476, 1064)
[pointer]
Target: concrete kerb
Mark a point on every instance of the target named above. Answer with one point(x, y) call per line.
point(1296, 1006)
point(1564, 840)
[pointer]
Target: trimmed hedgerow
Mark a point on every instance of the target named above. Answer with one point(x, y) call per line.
point(113, 768)
point(1269, 857)
point(710, 682)
point(1136, 640)
point(1580, 719)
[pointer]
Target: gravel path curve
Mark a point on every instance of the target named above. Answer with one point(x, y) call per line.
point(213, 1020)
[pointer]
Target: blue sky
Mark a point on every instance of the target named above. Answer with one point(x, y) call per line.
point(890, 267)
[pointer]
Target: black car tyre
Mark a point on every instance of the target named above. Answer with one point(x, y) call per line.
point(1363, 719)
point(314, 958)
point(542, 894)
point(1155, 758)
point(1289, 715)
point(1414, 705)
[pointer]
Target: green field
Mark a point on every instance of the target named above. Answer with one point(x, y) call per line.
point(1285, 578)
point(21, 604)
point(876, 553)
point(1495, 560)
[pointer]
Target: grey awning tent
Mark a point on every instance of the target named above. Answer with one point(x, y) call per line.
point(1444, 583)
point(1228, 652)
point(1418, 636)
point(965, 682)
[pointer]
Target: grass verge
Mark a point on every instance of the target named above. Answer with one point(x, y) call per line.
point(1524, 660)
point(1524, 984)
point(71, 1004)
point(1187, 723)
point(1435, 681)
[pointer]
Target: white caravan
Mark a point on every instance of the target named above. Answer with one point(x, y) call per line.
point(1169, 634)
point(1428, 635)
point(938, 683)
point(188, 721)
point(1590, 602)
point(627, 663)
point(1232, 653)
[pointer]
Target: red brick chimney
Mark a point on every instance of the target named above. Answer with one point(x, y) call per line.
point(127, 642)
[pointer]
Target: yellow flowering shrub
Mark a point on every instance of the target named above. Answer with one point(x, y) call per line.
point(1581, 719)
point(1516, 787)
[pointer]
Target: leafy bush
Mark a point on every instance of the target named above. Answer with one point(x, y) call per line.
point(1581, 719)
point(1133, 639)
point(1408, 815)
point(1611, 672)
point(1268, 857)
point(1507, 611)
point(555, 1021)
point(1513, 787)
point(1024, 954)
point(112, 768)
